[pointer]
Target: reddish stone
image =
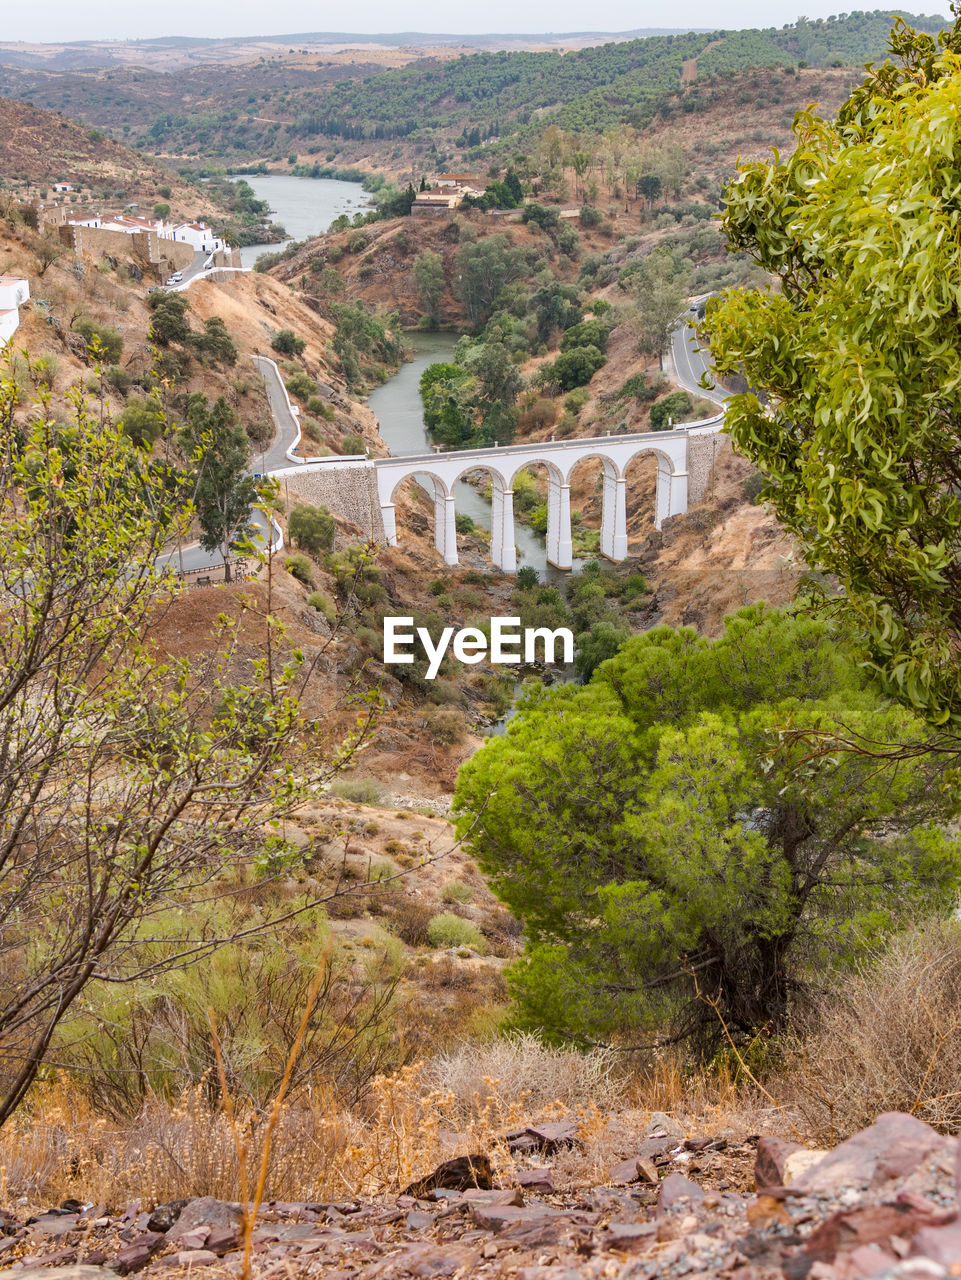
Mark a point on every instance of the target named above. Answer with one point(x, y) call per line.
point(138, 1253)
point(893, 1147)
point(939, 1244)
point(769, 1161)
point(535, 1179)
point(677, 1190)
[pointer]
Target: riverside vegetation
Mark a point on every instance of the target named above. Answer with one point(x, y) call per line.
point(720, 875)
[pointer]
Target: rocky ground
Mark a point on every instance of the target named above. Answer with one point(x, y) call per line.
point(885, 1203)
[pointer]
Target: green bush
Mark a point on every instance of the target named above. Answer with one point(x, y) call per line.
point(320, 407)
point(300, 568)
point(676, 407)
point(287, 343)
point(317, 600)
point(352, 442)
point(754, 486)
point(589, 215)
point(119, 379)
point(143, 421)
point(527, 577)
point(300, 385)
point(448, 930)
point(311, 528)
point(463, 523)
point(104, 343)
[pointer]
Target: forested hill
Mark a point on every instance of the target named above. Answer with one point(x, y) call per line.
point(271, 108)
point(485, 94)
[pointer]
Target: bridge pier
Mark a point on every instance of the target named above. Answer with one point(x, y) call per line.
point(614, 517)
point(389, 519)
point(445, 529)
point(671, 498)
point(503, 551)
point(560, 551)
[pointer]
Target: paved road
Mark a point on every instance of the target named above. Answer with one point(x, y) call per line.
point(690, 362)
point(195, 269)
point(287, 429)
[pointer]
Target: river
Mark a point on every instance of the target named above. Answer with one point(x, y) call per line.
point(305, 206)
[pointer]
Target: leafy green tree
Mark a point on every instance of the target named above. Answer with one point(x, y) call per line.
point(556, 306)
point(216, 342)
point(498, 377)
point(575, 367)
point(225, 491)
point(649, 186)
point(484, 268)
point(659, 290)
point(429, 279)
point(169, 322)
point(659, 847)
point(859, 355)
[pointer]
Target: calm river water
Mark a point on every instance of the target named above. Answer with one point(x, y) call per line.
point(305, 206)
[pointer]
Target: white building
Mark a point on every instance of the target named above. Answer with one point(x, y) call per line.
point(196, 234)
point(14, 292)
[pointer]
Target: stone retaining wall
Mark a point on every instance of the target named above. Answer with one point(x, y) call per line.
point(348, 490)
point(701, 453)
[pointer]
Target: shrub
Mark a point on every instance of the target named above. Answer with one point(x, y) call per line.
point(300, 385)
point(287, 343)
point(311, 528)
point(576, 401)
point(526, 1072)
point(445, 724)
point(457, 891)
point(575, 368)
point(754, 486)
point(676, 407)
point(300, 568)
point(448, 930)
point(104, 343)
point(317, 600)
point(887, 1038)
point(352, 442)
point(527, 577)
point(143, 421)
point(437, 587)
point(410, 919)
point(589, 216)
point(119, 379)
point(358, 790)
point(320, 407)
point(463, 523)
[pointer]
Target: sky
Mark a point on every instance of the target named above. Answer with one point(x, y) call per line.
point(64, 20)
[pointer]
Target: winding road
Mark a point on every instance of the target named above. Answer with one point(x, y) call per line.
point(691, 360)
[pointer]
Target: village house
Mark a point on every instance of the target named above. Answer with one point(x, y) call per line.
point(14, 292)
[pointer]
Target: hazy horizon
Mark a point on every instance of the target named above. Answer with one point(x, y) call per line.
point(59, 21)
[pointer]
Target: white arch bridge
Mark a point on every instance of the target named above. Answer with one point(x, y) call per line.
point(683, 466)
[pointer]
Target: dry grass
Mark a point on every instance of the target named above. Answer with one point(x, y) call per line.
point(521, 1070)
point(888, 1039)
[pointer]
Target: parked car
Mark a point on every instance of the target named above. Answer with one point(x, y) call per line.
point(177, 277)
point(208, 266)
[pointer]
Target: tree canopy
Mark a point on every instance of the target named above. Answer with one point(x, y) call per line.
point(860, 356)
point(657, 846)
